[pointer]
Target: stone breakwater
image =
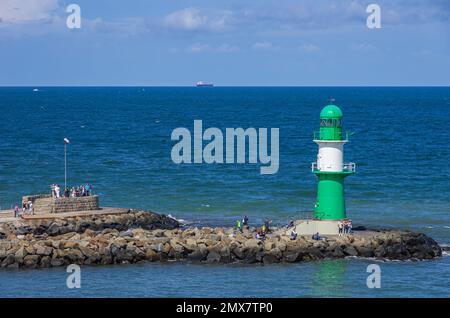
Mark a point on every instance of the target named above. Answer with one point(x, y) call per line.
point(139, 236)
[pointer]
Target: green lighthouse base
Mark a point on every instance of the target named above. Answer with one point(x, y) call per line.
point(330, 204)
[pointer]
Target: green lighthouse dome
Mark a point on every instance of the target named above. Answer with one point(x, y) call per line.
point(331, 123)
point(331, 112)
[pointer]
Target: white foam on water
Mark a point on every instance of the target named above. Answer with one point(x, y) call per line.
point(178, 220)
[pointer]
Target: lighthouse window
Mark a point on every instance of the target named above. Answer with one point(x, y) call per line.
point(330, 123)
point(338, 122)
point(323, 123)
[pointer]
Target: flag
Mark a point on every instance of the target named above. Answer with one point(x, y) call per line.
point(66, 141)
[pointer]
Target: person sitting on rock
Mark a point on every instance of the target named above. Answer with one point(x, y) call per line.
point(263, 235)
point(266, 225)
point(316, 237)
point(293, 235)
point(291, 224)
point(260, 235)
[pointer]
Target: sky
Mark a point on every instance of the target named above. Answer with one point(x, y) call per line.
point(227, 42)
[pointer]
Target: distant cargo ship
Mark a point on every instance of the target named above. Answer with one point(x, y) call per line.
point(202, 84)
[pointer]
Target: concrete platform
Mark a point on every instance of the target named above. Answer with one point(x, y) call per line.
point(310, 227)
point(7, 215)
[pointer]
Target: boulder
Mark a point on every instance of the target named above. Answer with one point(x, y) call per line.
point(225, 254)
point(72, 255)
point(20, 253)
point(213, 257)
point(350, 251)
point(197, 255)
point(365, 251)
point(31, 261)
point(45, 262)
point(272, 256)
point(57, 262)
point(43, 250)
point(9, 259)
point(151, 255)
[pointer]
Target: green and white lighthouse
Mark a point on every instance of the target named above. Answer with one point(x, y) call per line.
point(330, 168)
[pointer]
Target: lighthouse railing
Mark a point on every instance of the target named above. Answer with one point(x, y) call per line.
point(346, 167)
point(345, 135)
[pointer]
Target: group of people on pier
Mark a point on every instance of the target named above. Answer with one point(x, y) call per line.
point(261, 231)
point(26, 207)
point(74, 192)
point(344, 227)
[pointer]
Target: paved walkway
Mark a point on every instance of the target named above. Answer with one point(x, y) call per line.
point(6, 215)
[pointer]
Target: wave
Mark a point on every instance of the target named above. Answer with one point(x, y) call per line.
point(181, 221)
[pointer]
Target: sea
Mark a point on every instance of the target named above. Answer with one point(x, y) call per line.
point(120, 142)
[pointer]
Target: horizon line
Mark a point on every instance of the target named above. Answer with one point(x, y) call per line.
point(215, 86)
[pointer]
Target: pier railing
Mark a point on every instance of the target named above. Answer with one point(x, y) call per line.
point(346, 167)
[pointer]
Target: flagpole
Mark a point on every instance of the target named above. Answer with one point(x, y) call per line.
point(66, 142)
point(65, 166)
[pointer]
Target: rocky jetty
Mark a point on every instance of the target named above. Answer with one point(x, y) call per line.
point(139, 236)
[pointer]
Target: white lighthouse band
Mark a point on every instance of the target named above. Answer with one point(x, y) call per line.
point(330, 157)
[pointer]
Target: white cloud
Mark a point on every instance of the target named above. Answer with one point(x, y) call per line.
point(363, 47)
point(27, 11)
point(192, 19)
point(308, 48)
point(225, 47)
point(264, 46)
point(186, 19)
point(202, 47)
point(198, 48)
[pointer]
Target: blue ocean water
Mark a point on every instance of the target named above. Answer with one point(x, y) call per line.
point(120, 142)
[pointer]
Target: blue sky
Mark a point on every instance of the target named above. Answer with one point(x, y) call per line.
point(233, 42)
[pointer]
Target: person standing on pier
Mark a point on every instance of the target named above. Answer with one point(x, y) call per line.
point(238, 225)
point(245, 222)
point(57, 189)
